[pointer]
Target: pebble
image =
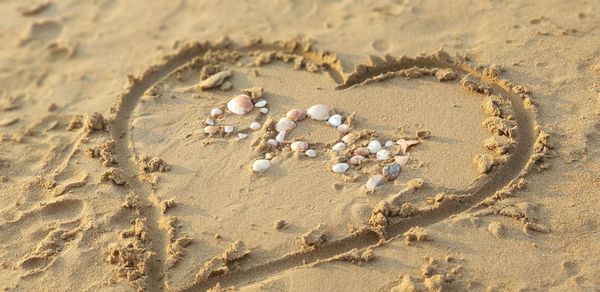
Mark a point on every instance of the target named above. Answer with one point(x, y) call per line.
point(339, 146)
point(260, 165)
point(319, 112)
point(281, 136)
point(389, 144)
point(216, 112)
point(255, 126)
point(335, 120)
point(311, 153)
point(241, 104)
point(343, 129)
point(285, 124)
point(356, 159)
point(242, 136)
point(264, 110)
point(261, 103)
point(272, 142)
point(362, 151)
point(228, 129)
point(296, 115)
point(340, 167)
point(391, 171)
point(210, 121)
point(383, 154)
point(374, 146)
point(299, 146)
point(373, 182)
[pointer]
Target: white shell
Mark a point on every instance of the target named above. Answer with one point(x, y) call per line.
point(340, 167)
point(272, 142)
point(285, 124)
point(319, 112)
point(311, 153)
point(242, 136)
point(281, 136)
point(374, 146)
point(228, 129)
point(383, 154)
point(374, 182)
point(241, 104)
point(216, 112)
point(402, 160)
point(264, 110)
point(356, 159)
point(209, 121)
point(299, 146)
point(389, 144)
point(255, 126)
point(261, 103)
point(335, 120)
point(260, 165)
point(339, 146)
point(343, 129)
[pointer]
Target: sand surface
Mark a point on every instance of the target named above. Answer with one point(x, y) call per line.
point(112, 176)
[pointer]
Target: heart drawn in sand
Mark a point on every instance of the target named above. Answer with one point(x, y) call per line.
point(292, 197)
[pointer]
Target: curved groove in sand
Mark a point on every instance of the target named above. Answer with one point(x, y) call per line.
point(476, 191)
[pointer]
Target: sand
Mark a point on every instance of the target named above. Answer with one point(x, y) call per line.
point(109, 180)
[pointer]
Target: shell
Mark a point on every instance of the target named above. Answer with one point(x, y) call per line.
point(264, 110)
point(241, 104)
point(255, 126)
point(340, 167)
point(335, 120)
point(211, 130)
point(374, 146)
point(242, 136)
point(339, 146)
point(391, 171)
point(405, 144)
point(319, 112)
point(402, 160)
point(389, 144)
point(209, 121)
point(261, 165)
point(272, 142)
point(285, 124)
point(216, 112)
point(383, 154)
point(299, 146)
point(261, 103)
point(373, 182)
point(281, 136)
point(311, 153)
point(356, 159)
point(361, 151)
point(296, 115)
point(343, 129)
point(228, 129)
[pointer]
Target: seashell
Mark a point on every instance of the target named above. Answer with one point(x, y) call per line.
point(340, 167)
point(402, 160)
point(299, 146)
point(383, 154)
point(241, 104)
point(209, 121)
point(216, 112)
point(335, 120)
point(405, 144)
point(373, 182)
point(374, 146)
point(260, 165)
point(389, 144)
point(242, 136)
point(319, 112)
point(311, 153)
point(391, 171)
point(260, 103)
point(272, 142)
point(339, 146)
point(361, 151)
point(211, 130)
point(281, 136)
point(285, 124)
point(356, 159)
point(343, 129)
point(264, 110)
point(228, 129)
point(255, 126)
point(296, 115)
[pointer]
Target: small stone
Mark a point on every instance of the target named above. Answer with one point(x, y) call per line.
point(356, 159)
point(260, 165)
point(311, 153)
point(383, 154)
point(374, 146)
point(255, 126)
point(340, 167)
point(389, 144)
point(272, 142)
point(228, 129)
point(261, 103)
point(209, 121)
point(343, 129)
point(242, 136)
point(391, 171)
point(338, 146)
point(373, 182)
point(211, 130)
point(335, 120)
point(216, 112)
point(264, 110)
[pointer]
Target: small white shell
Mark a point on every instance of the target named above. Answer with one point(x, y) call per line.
point(402, 160)
point(261, 103)
point(343, 129)
point(335, 120)
point(260, 165)
point(281, 136)
point(356, 159)
point(264, 110)
point(241, 104)
point(311, 153)
point(339, 146)
point(216, 112)
point(285, 124)
point(242, 136)
point(319, 112)
point(374, 146)
point(340, 167)
point(228, 129)
point(389, 144)
point(272, 142)
point(374, 182)
point(255, 126)
point(299, 146)
point(209, 121)
point(211, 130)
point(383, 154)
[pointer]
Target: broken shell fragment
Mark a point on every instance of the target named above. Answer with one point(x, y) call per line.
point(402, 160)
point(241, 104)
point(285, 124)
point(281, 136)
point(391, 171)
point(299, 146)
point(242, 136)
point(260, 165)
point(296, 115)
point(340, 167)
point(373, 182)
point(319, 112)
point(272, 142)
point(405, 144)
point(362, 151)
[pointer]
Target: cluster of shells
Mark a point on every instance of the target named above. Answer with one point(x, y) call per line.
point(352, 150)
